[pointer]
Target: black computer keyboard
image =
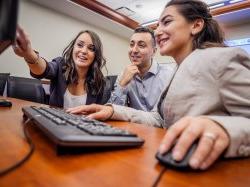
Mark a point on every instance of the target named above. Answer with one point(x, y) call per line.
point(69, 130)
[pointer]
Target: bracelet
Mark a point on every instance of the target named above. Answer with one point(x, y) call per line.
point(36, 60)
point(113, 111)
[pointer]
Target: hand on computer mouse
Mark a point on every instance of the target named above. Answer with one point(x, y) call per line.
point(213, 140)
point(168, 160)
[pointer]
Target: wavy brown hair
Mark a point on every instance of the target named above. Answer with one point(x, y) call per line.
point(95, 81)
point(211, 35)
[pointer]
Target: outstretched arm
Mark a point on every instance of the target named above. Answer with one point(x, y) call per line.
point(23, 49)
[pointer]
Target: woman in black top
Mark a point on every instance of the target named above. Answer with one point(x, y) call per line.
point(76, 77)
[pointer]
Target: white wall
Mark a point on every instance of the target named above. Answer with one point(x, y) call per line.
point(237, 31)
point(50, 32)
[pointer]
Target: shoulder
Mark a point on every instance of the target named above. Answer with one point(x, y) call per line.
point(218, 56)
point(218, 59)
point(220, 52)
point(166, 68)
point(58, 60)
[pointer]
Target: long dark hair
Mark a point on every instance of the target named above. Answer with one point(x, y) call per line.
point(95, 81)
point(211, 34)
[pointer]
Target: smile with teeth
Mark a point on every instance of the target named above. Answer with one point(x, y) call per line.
point(162, 41)
point(82, 58)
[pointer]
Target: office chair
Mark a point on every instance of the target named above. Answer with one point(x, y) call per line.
point(25, 88)
point(109, 87)
point(3, 80)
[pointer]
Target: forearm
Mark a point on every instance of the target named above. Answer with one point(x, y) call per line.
point(137, 116)
point(238, 129)
point(36, 64)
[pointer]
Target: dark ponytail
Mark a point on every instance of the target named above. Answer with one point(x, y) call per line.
point(211, 35)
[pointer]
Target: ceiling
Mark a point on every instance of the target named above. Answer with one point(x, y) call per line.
point(141, 10)
point(81, 13)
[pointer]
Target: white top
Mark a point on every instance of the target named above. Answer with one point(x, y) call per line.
point(73, 100)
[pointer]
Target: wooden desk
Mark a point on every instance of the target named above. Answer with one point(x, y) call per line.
point(131, 167)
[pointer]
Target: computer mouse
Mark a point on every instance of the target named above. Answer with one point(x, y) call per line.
point(167, 159)
point(5, 103)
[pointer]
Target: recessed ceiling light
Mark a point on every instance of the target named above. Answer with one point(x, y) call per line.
point(138, 5)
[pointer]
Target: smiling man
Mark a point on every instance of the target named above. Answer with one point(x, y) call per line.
point(141, 83)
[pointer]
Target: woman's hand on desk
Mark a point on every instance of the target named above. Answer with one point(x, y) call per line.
point(213, 140)
point(93, 111)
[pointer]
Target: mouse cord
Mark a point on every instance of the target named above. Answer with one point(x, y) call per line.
point(26, 157)
point(159, 177)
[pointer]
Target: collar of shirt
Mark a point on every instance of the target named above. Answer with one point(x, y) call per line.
point(153, 70)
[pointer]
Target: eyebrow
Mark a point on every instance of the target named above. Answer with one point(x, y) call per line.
point(165, 17)
point(81, 41)
point(139, 42)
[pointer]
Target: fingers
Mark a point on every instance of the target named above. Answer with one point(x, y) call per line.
point(83, 109)
point(16, 46)
point(94, 111)
point(103, 114)
point(213, 140)
point(22, 46)
point(98, 115)
point(219, 146)
point(205, 146)
point(17, 49)
point(74, 110)
point(188, 136)
point(137, 71)
point(22, 39)
point(128, 74)
point(133, 69)
point(172, 134)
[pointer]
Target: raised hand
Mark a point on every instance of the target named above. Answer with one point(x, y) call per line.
point(128, 74)
point(22, 46)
